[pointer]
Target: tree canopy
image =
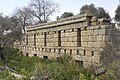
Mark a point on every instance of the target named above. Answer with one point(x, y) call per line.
point(10, 30)
point(38, 11)
point(117, 14)
point(88, 8)
point(24, 16)
point(98, 11)
point(66, 14)
point(43, 9)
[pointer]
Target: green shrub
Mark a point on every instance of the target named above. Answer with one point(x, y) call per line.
point(60, 69)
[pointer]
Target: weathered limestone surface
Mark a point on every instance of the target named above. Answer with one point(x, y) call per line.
point(82, 36)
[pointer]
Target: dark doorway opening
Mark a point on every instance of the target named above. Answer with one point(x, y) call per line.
point(45, 57)
point(21, 52)
point(80, 63)
point(27, 54)
point(35, 54)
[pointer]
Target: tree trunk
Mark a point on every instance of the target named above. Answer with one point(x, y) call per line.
point(2, 56)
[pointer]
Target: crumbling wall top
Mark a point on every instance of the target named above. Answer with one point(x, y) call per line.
point(78, 18)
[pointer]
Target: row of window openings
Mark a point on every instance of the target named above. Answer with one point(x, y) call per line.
point(84, 53)
point(30, 48)
point(92, 52)
point(27, 54)
point(59, 38)
point(55, 50)
point(56, 32)
point(48, 32)
point(65, 30)
point(45, 57)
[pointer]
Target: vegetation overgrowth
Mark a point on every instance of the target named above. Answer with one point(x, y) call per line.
point(62, 68)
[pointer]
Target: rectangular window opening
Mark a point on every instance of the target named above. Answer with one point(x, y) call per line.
point(64, 50)
point(72, 30)
point(59, 51)
point(45, 39)
point(42, 49)
point(21, 52)
point(54, 50)
point(92, 53)
point(35, 39)
point(45, 57)
point(59, 38)
point(64, 31)
point(80, 63)
point(70, 52)
point(27, 54)
point(35, 55)
point(77, 52)
point(79, 37)
point(84, 53)
point(27, 39)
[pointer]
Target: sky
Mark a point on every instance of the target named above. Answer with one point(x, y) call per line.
point(7, 7)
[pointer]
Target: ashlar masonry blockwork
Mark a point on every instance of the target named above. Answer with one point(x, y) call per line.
point(82, 36)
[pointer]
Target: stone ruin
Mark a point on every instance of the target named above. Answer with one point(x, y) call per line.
point(82, 36)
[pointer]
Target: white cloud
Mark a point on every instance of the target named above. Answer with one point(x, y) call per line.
point(112, 12)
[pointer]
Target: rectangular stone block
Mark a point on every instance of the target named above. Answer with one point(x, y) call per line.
point(77, 57)
point(101, 44)
point(84, 44)
point(68, 51)
point(102, 31)
point(84, 32)
point(95, 44)
point(89, 32)
point(88, 53)
point(96, 31)
point(94, 38)
point(81, 52)
point(66, 34)
point(85, 38)
point(90, 44)
point(74, 52)
point(74, 39)
point(100, 38)
point(90, 38)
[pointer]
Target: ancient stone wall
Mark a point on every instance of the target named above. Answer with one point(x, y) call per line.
point(82, 36)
